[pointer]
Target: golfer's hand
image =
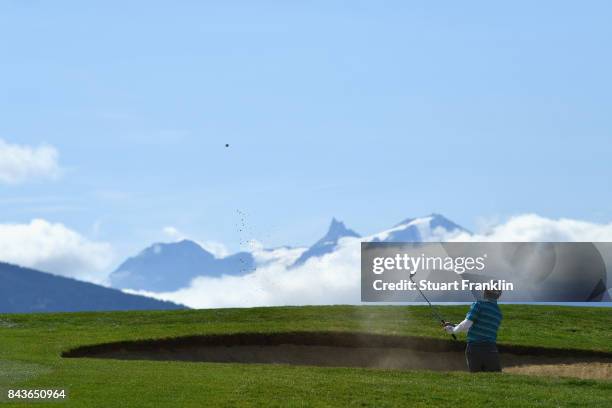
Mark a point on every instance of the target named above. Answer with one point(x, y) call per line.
point(449, 327)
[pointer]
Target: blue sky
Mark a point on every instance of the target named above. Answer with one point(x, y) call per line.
point(368, 111)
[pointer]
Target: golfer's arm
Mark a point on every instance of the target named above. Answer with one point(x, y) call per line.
point(463, 326)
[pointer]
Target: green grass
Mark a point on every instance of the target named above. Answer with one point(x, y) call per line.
point(30, 347)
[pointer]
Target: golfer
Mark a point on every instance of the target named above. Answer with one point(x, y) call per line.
point(481, 324)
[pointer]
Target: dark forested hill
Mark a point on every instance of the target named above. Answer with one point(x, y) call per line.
point(24, 290)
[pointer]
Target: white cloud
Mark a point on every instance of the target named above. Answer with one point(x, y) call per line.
point(20, 163)
point(52, 247)
point(216, 248)
point(284, 256)
point(534, 228)
point(173, 233)
point(335, 277)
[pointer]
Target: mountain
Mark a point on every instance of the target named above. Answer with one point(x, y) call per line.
point(434, 227)
point(165, 267)
point(328, 243)
point(24, 290)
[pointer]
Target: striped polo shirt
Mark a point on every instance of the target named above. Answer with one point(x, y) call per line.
point(486, 318)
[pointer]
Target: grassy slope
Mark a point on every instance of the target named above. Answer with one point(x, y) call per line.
point(30, 347)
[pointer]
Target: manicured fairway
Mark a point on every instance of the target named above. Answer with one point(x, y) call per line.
point(30, 348)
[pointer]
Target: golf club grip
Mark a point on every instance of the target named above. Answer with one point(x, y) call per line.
point(452, 334)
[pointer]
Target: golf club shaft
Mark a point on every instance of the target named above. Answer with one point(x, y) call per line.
point(433, 309)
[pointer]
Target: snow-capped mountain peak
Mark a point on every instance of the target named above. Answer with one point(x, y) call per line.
point(336, 230)
point(328, 243)
point(433, 227)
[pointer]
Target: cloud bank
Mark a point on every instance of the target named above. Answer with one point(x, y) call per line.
point(335, 278)
point(21, 163)
point(534, 228)
point(52, 247)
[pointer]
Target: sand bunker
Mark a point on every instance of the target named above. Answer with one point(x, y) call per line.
point(344, 350)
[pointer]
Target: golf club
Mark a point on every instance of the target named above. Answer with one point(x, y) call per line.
point(433, 309)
